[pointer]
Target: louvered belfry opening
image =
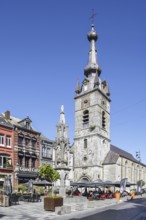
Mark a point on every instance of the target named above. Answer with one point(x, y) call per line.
point(86, 117)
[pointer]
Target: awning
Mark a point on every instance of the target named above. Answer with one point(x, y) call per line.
point(27, 175)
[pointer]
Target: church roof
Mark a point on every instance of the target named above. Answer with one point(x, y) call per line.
point(111, 158)
point(114, 154)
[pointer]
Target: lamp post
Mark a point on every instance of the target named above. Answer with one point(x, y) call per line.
point(139, 159)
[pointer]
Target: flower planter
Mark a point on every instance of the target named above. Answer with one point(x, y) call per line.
point(51, 202)
point(90, 198)
point(4, 200)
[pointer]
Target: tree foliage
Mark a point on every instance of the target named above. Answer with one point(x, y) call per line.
point(48, 172)
point(143, 182)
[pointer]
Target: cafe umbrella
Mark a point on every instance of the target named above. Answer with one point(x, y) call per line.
point(42, 183)
point(7, 185)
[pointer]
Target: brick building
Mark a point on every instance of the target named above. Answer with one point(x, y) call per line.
point(26, 149)
point(6, 149)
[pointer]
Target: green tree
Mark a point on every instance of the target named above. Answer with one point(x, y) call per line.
point(48, 172)
point(143, 182)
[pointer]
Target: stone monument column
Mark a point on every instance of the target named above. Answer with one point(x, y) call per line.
point(61, 152)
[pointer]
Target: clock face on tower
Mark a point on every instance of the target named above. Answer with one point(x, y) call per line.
point(85, 102)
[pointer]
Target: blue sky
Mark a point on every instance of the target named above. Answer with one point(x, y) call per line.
point(43, 52)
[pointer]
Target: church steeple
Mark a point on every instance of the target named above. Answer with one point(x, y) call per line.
point(92, 66)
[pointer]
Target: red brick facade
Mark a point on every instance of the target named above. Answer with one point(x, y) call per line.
point(6, 152)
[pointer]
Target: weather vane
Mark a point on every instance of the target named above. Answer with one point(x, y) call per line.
point(92, 17)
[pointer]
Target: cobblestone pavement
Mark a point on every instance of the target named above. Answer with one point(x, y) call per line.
point(35, 211)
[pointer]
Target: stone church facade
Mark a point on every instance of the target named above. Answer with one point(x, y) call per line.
point(94, 156)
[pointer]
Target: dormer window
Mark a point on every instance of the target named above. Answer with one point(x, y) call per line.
point(27, 125)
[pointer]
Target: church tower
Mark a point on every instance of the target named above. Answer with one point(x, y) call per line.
point(92, 119)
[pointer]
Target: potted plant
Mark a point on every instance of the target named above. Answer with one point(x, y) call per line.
point(49, 173)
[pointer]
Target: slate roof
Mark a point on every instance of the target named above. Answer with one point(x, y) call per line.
point(114, 154)
point(43, 137)
point(13, 121)
point(5, 122)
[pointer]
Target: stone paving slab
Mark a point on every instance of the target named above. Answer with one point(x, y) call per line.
point(35, 210)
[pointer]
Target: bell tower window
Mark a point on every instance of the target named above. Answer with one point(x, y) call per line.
point(103, 120)
point(86, 117)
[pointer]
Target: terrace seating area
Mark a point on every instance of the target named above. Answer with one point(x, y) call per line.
point(14, 198)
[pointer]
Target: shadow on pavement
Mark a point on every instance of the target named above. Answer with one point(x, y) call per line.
point(119, 213)
point(1, 216)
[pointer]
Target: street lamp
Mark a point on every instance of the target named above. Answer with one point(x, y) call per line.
point(139, 159)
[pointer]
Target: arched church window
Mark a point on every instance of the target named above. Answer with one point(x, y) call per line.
point(85, 117)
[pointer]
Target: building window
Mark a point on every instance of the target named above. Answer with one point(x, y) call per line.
point(85, 143)
point(103, 120)
point(1, 139)
point(27, 162)
point(8, 141)
point(27, 142)
point(20, 140)
point(47, 152)
point(5, 161)
point(43, 150)
point(86, 117)
point(33, 162)
point(33, 143)
point(20, 159)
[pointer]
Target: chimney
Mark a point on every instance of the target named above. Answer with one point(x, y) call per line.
point(7, 115)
